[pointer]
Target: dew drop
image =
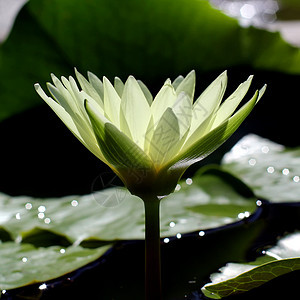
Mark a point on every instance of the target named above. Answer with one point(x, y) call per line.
point(74, 203)
point(252, 162)
point(201, 233)
point(258, 203)
point(178, 235)
point(247, 214)
point(241, 216)
point(42, 209)
point(41, 215)
point(47, 221)
point(270, 170)
point(18, 216)
point(18, 239)
point(172, 224)
point(62, 251)
point(189, 181)
point(28, 206)
point(265, 149)
point(24, 259)
point(178, 187)
point(285, 171)
point(296, 178)
point(166, 240)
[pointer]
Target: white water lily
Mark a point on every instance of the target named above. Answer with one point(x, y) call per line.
point(148, 142)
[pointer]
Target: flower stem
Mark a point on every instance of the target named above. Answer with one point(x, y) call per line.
point(152, 248)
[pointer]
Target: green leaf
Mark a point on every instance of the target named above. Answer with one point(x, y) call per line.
point(239, 278)
point(270, 169)
point(23, 264)
point(52, 37)
point(196, 205)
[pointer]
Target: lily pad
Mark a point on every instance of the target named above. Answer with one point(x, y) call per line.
point(208, 200)
point(23, 264)
point(239, 278)
point(270, 169)
point(118, 38)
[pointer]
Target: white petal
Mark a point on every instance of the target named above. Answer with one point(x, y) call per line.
point(146, 92)
point(228, 107)
point(177, 81)
point(182, 108)
point(89, 141)
point(165, 136)
point(119, 86)
point(136, 110)
point(165, 98)
point(96, 83)
point(187, 85)
point(208, 102)
point(89, 88)
point(112, 103)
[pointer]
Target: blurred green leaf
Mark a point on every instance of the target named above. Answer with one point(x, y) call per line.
point(270, 169)
point(152, 40)
point(23, 264)
point(208, 200)
point(239, 278)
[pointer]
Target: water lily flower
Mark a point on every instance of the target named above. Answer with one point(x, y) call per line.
point(147, 142)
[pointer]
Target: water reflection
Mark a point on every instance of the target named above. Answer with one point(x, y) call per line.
point(249, 12)
point(258, 203)
point(43, 286)
point(178, 187)
point(201, 233)
point(178, 235)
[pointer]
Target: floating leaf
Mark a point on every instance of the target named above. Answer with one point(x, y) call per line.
point(129, 37)
point(23, 264)
point(238, 278)
point(270, 169)
point(206, 201)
